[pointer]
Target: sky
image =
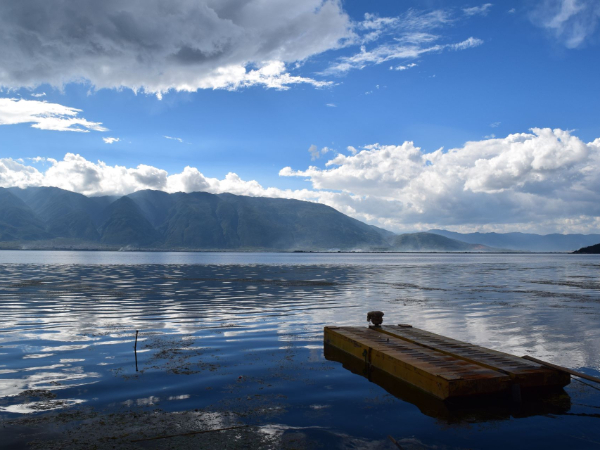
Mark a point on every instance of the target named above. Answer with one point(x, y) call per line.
point(407, 114)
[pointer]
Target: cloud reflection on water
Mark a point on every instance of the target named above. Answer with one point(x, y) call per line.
point(82, 315)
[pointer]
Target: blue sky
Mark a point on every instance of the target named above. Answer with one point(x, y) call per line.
point(439, 74)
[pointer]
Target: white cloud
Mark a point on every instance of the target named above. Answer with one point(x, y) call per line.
point(512, 11)
point(155, 47)
point(478, 10)
point(408, 36)
point(381, 54)
point(77, 174)
point(411, 22)
point(546, 179)
point(467, 43)
point(571, 22)
point(44, 116)
point(110, 140)
point(331, 105)
point(174, 138)
point(41, 94)
point(406, 67)
point(542, 181)
point(14, 173)
point(495, 124)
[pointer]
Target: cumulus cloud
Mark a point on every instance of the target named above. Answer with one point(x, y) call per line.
point(542, 181)
point(545, 179)
point(44, 116)
point(478, 10)
point(110, 140)
point(16, 174)
point(186, 45)
point(571, 22)
point(77, 174)
point(156, 46)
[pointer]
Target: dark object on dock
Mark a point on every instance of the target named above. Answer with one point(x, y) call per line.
point(443, 367)
point(375, 317)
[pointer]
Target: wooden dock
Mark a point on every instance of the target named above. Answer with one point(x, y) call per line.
point(443, 367)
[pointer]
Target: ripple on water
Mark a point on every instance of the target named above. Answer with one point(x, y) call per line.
point(215, 335)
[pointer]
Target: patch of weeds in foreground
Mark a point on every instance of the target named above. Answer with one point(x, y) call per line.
point(154, 429)
point(177, 356)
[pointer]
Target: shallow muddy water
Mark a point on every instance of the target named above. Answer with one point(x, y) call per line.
point(235, 341)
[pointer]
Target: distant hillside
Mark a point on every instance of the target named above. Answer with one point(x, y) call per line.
point(592, 249)
point(430, 242)
point(195, 221)
point(17, 220)
point(526, 242)
point(48, 217)
point(125, 224)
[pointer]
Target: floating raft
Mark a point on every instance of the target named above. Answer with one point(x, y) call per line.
point(443, 367)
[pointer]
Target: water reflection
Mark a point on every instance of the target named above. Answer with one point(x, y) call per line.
point(248, 337)
point(490, 408)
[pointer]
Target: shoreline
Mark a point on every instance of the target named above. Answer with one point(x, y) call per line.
point(346, 252)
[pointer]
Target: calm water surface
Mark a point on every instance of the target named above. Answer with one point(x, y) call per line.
point(236, 339)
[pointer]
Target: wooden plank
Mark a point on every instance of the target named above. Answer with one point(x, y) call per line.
point(459, 410)
point(525, 373)
point(442, 375)
point(563, 369)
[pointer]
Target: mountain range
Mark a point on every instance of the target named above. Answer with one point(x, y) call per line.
point(430, 242)
point(49, 217)
point(525, 241)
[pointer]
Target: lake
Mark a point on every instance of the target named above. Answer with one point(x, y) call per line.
point(234, 341)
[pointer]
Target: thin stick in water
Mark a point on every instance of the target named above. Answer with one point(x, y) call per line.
point(135, 350)
point(394, 441)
